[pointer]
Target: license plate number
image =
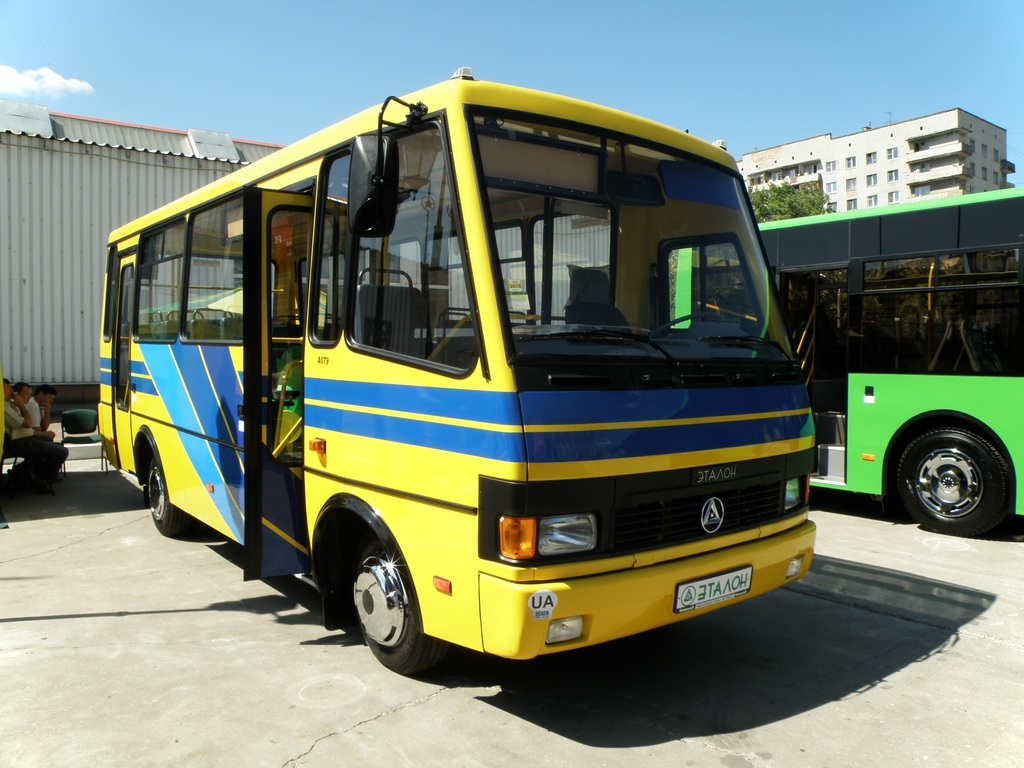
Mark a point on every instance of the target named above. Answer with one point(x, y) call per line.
point(691, 595)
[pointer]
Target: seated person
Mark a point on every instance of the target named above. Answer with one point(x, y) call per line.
point(43, 457)
point(40, 405)
point(17, 431)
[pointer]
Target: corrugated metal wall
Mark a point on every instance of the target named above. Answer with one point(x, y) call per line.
point(59, 200)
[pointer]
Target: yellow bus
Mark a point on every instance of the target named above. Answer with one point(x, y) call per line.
point(492, 367)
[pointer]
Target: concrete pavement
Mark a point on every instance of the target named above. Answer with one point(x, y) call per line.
point(119, 647)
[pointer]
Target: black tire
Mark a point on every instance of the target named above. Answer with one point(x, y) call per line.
point(954, 481)
point(388, 612)
point(168, 519)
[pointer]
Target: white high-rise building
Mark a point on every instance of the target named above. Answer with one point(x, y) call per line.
point(938, 155)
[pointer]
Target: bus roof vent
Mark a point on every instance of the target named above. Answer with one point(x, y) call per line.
point(463, 73)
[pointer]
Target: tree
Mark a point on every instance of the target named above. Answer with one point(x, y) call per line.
point(785, 201)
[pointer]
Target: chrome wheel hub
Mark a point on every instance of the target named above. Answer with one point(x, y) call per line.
point(381, 601)
point(157, 496)
point(949, 483)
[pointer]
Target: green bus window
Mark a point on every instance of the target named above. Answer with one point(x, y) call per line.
point(951, 313)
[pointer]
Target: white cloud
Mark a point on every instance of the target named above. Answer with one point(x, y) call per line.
point(39, 82)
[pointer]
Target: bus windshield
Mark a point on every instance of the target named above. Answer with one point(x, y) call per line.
point(609, 247)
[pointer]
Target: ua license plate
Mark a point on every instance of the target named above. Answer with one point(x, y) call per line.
point(692, 595)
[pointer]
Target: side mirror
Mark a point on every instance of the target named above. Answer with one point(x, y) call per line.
point(373, 185)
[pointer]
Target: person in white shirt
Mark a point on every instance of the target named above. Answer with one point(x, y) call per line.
point(18, 439)
point(50, 455)
point(40, 405)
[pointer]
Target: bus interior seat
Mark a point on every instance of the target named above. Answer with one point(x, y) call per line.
point(392, 317)
point(589, 300)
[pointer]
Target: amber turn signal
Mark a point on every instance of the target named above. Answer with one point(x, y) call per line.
point(517, 537)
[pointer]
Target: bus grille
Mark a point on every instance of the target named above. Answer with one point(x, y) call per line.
point(667, 522)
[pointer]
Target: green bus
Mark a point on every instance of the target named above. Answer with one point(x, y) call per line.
point(908, 323)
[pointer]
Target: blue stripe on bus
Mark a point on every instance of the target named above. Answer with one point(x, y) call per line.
point(195, 405)
point(490, 407)
point(145, 386)
point(554, 408)
point(205, 395)
point(484, 443)
point(654, 440)
point(640, 435)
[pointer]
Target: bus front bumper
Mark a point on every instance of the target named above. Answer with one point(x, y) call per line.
point(518, 618)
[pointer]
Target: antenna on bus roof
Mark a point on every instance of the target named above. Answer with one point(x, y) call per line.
point(463, 73)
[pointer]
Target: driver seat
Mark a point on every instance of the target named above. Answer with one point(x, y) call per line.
point(590, 298)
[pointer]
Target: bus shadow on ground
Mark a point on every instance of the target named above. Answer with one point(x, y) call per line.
point(83, 491)
point(844, 630)
point(290, 593)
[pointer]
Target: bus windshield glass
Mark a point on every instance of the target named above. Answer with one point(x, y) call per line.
point(610, 247)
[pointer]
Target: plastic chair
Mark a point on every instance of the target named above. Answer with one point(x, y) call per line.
point(78, 427)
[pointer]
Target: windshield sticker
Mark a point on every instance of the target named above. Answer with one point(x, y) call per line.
point(516, 296)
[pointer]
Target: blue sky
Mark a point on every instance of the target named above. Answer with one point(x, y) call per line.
point(753, 73)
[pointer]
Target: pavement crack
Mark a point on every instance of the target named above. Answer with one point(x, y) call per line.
point(73, 543)
point(297, 760)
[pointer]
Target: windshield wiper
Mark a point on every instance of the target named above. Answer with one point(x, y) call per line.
point(585, 334)
point(601, 335)
point(746, 341)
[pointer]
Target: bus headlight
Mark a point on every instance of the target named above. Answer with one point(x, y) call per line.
point(567, 533)
point(794, 492)
point(521, 538)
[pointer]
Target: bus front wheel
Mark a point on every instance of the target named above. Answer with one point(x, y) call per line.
point(954, 481)
point(388, 613)
point(167, 518)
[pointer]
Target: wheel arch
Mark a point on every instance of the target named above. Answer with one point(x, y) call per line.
point(146, 453)
point(944, 419)
point(342, 524)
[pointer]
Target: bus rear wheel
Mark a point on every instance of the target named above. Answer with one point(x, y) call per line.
point(167, 518)
point(389, 616)
point(954, 481)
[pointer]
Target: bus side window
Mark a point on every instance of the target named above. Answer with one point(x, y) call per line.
point(327, 289)
point(160, 282)
point(412, 294)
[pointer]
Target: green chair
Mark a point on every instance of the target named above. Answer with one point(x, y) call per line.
point(78, 427)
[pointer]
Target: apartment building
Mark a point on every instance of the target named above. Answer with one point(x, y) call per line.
point(939, 155)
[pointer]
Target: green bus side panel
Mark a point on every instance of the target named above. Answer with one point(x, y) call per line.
point(879, 405)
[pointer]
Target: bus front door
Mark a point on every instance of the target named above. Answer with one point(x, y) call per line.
point(276, 539)
point(122, 385)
